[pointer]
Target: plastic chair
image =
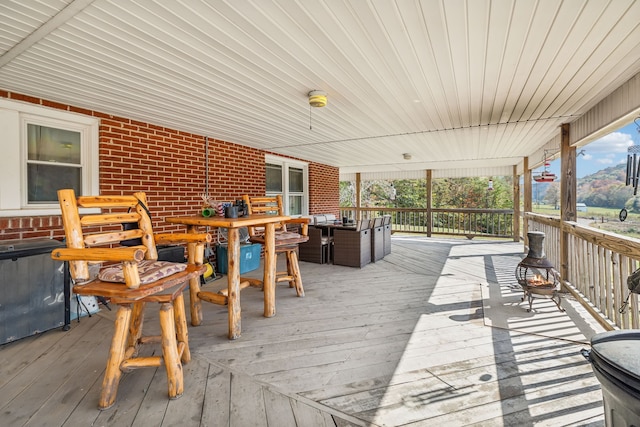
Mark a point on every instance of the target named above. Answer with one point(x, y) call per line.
point(132, 278)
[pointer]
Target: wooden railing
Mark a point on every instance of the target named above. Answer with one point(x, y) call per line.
point(596, 268)
point(457, 222)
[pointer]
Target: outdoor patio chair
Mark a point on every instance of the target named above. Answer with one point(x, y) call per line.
point(317, 248)
point(386, 228)
point(377, 239)
point(130, 277)
point(287, 241)
point(352, 247)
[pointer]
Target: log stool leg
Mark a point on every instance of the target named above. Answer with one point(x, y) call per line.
point(181, 327)
point(135, 325)
point(295, 272)
point(113, 373)
point(170, 351)
point(290, 272)
point(195, 255)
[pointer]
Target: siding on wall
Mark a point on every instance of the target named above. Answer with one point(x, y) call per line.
point(169, 165)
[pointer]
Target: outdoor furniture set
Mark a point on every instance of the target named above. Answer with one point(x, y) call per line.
point(351, 244)
point(116, 233)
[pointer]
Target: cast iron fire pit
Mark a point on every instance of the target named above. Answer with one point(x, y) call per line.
point(536, 275)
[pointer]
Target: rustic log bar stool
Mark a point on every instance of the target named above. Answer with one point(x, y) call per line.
point(133, 277)
point(286, 241)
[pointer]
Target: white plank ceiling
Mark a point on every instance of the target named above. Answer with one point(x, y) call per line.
point(466, 85)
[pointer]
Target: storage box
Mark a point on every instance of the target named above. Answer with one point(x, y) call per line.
point(249, 257)
point(33, 296)
point(171, 253)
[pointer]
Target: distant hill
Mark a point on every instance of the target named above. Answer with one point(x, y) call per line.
point(605, 188)
point(612, 173)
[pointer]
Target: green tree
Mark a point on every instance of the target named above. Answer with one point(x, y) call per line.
point(552, 195)
point(447, 193)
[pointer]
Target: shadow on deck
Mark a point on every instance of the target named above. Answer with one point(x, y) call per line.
point(433, 334)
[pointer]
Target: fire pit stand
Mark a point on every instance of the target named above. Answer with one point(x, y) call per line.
point(536, 274)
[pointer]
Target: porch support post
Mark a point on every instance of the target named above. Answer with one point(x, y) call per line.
point(358, 214)
point(528, 200)
point(567, 195)
point(516, 204)
point(429, 196)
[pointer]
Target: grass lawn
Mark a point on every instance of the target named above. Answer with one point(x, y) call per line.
point(602, 218)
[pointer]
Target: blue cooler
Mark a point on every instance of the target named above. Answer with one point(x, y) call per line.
point(249, 257)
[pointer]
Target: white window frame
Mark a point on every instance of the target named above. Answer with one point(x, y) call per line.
point(286, 164)
point(14, 117)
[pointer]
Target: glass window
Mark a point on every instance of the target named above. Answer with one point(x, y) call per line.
point(53, 162)
point(274, 178)
point(295, 205)
point(296, 180)
point(45, 149)
point(288, 178)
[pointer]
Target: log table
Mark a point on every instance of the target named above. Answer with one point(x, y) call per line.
point(232, 298)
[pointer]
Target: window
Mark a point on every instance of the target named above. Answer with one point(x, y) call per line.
point(53, 162)
point(44, 150)
point(289, 178)
point(296, 191)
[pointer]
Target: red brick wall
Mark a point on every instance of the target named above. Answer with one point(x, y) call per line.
point(324, 189)
point(169, 166)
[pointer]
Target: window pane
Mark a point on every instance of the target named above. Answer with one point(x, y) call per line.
point(44, 181)
point(48, 144)
point(274, 178)
point(296, 180)
point(295, 205)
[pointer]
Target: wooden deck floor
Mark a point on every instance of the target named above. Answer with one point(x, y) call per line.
point(434, 334)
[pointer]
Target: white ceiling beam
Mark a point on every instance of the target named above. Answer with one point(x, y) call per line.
point(44, 30)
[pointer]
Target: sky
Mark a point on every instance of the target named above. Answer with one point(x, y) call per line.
point(607, 151)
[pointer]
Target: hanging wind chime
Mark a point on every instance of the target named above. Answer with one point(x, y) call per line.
point(633, 165)
point(633, 168)
point(545, 175)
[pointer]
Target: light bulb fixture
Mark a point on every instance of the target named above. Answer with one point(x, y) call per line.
point(406, 156)
point(317, 98)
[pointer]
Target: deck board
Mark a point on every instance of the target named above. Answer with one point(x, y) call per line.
point(432, 334)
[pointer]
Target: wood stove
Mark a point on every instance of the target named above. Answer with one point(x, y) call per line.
point(535, 273)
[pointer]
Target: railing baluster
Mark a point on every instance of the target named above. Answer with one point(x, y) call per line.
point(598, 267)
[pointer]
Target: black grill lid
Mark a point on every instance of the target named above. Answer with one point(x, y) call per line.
point(617, 353)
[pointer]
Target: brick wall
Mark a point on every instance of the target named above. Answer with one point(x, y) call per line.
point(169, 166)
point(324, 189)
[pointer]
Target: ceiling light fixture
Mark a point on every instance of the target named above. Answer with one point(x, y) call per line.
point(406, 156)
point(317, 98)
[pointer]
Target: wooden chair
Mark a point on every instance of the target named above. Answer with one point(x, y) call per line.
point(286, 241)
point(131, 278)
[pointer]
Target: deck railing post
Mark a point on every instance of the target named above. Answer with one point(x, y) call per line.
point(429, 196)
point(567, 195)
point(516, 205)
